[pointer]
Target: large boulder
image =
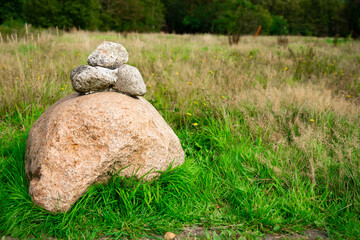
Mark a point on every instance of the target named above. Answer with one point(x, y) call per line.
point(83, 139)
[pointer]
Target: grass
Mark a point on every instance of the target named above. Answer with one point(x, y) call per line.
point(271, 136)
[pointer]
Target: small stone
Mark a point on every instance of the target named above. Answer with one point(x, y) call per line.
point(108, 55)
point(130, 81)
point(87, 79)
point(169, 235)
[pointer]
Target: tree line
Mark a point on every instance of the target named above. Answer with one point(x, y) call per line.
point(277, 17)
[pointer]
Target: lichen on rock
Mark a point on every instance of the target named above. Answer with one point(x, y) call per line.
point(108, 72)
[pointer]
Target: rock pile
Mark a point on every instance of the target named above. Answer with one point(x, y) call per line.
point(86, 138)
point(108, 72)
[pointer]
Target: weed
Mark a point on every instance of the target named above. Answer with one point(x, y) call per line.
point(271, 136)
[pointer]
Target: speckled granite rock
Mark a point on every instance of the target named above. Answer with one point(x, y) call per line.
point(108, 71)
point(83, 139)
point(108, 55)
point(130, 81)
point(87, 79)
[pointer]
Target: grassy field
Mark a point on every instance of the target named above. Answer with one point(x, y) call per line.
point(270, 132)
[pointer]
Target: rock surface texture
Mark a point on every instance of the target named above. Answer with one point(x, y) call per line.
point(108, 71)
point(83, 139)
point(87, 79)
point(130, 81)
point(108, 55)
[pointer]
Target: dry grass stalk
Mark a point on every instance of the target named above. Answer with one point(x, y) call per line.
point(285, 99)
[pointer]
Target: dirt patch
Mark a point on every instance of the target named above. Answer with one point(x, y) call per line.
point(196, 233)
point(311, 234)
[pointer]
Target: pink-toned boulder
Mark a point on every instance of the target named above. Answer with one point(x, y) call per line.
point(83, 139)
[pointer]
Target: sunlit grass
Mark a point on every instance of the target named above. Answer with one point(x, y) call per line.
point(271, 136)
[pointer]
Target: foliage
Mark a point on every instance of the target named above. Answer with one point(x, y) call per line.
point(240, 17)
point(12, 26)
point(305, 17)
point(279, 26)
point(352, 14)
point(10, 10)
point(139, 15)
point(64, 14)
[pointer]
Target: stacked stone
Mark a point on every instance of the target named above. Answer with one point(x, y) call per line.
point(108, 71)
point(85, 139)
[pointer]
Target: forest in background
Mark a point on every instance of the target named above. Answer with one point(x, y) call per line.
point(277, 17)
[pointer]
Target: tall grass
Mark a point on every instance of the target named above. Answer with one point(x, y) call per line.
point(271, 135)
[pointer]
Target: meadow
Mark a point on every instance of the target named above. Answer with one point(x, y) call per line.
point(271, 133)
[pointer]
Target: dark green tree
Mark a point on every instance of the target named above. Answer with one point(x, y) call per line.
point(50, 13)
point(154, 15)
point(42, 13)
point(239, 17)
point(200, 15)
point(232, 17)
point(352, 13)
point(137, 15)
point(279, 26)
point(84, 14)
point(309, 17)
point(11, 10)
point(176, 11)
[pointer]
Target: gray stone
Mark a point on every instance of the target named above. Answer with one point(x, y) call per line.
point(108, 55)
point(130, 81)
point(87, 79)
point(84, 139)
